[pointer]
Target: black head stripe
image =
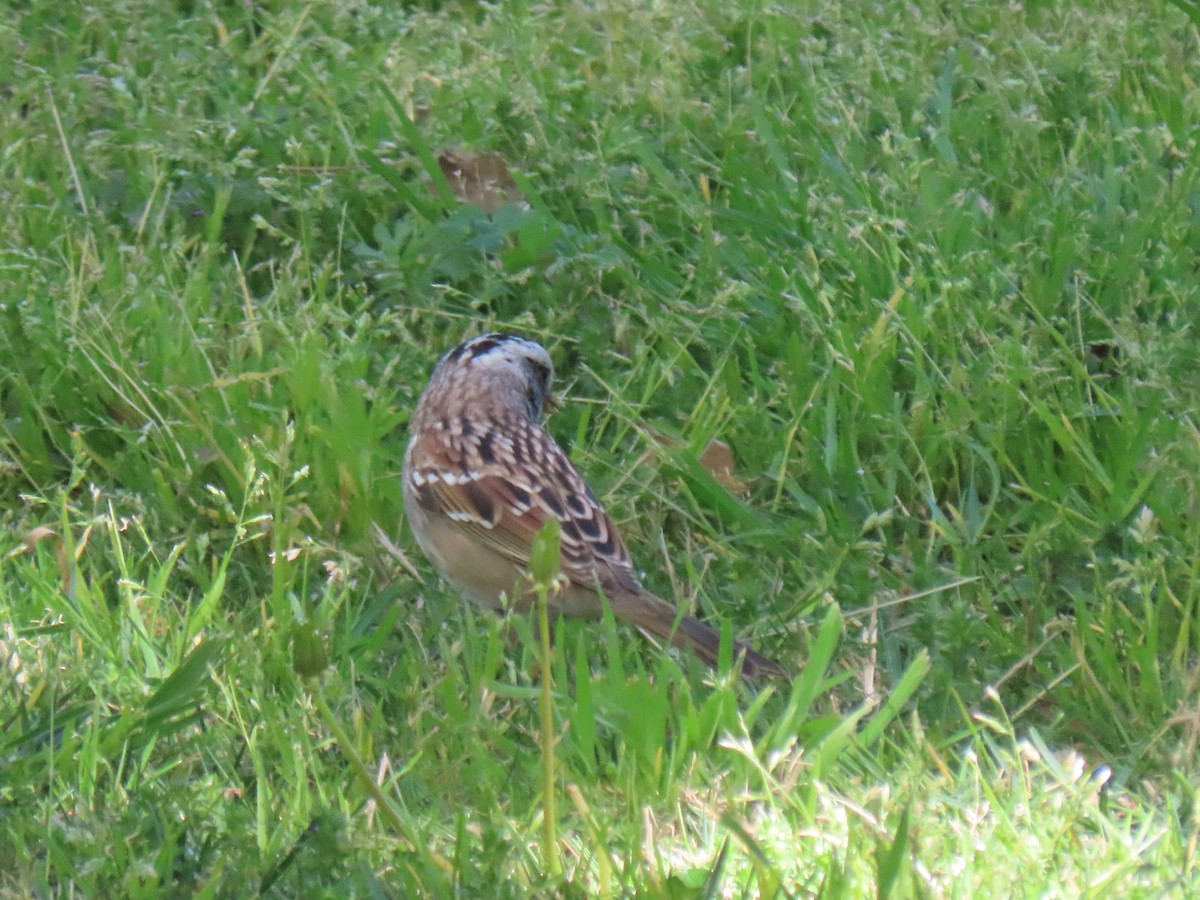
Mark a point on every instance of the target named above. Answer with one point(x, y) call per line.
point(480, 346)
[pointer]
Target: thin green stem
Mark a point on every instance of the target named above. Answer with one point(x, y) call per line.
point(549, 795)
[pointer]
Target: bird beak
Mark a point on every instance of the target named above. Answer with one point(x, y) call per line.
point(550, 404)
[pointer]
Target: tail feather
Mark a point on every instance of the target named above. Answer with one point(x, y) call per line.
point(658, 618)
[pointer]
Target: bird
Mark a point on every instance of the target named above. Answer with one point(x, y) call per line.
point(481, 477)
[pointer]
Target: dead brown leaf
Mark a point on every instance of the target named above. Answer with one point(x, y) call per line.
point(479, 178)
point(35, 536)
point(66, 567)
point(718, 459)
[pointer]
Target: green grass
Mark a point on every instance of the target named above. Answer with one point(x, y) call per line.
point(928, 269)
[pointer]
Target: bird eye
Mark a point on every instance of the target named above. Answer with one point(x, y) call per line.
point(534, 398)
point(539, 386)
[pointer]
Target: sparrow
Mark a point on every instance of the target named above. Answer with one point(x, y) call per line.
point(481, 478)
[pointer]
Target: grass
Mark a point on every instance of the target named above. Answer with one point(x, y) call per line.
point(928, 270)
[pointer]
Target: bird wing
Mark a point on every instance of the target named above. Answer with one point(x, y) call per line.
point(502, 485)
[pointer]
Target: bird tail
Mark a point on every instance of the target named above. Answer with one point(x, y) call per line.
point(659, 619)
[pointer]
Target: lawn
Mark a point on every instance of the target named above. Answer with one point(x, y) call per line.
point(929, 271)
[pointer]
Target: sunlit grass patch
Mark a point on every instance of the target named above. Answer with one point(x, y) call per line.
point(926, 272)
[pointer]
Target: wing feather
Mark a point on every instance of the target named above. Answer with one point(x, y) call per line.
point(504, 502)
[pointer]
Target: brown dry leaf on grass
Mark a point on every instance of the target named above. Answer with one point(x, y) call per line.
point(66, 567)
point(718, 459)
point(479, 178)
